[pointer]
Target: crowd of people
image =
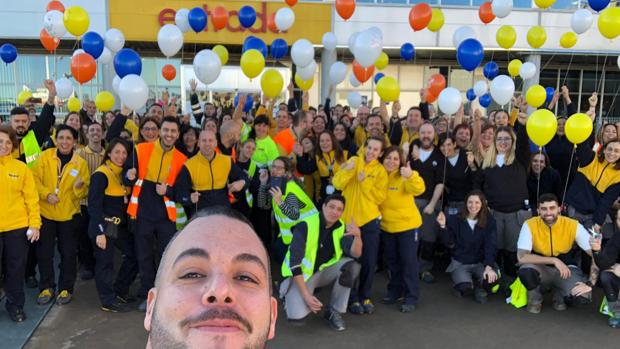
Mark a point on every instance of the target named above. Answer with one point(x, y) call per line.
point(333, 197)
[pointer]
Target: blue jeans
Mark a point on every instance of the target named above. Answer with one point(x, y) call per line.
point(400, 251)
point(368, 260)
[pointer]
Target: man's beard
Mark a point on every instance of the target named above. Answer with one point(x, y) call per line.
point(21, 131)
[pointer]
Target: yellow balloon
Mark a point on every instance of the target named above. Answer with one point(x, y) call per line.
point(222, 52)
point(437, 20)
point(536, 36)
point(506, 36)
point(252, 63)
point(271, 83)
point(23, 96)
point(514, 66)
point(76, 20)
point(536, 96)
point(74, 104)
point(304, 85)
point(388, 89)
point(382, 61)
point(568, 39)
point(609, 22)
point(544, 3)
point(578, 128)
point(104, 101)
point(541, 126)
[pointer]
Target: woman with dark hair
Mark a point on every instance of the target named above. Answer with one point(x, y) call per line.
point(458, 181)
point(188, 141)
point(149, 130)
point(266, 148)
point(107, 202)
point(73, 120)
point(341, 132)
point(473, 237)
point(542, 179)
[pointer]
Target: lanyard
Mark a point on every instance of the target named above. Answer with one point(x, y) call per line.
point(330, 165)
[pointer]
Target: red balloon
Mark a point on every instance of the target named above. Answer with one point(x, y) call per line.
point(219, 16)
point(291, 3)
point(169, 72)
point(345, 8)
point(83, 67)
point(420, 16)
point(271, 22)
point(436, 84)
point(362, 74)
point(55, 5)
point(485, 12)
point(49, 42)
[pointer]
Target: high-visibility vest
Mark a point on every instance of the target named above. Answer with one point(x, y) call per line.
point(248, 194)
point(286, 223)
point(144, 151)
point(312, 246)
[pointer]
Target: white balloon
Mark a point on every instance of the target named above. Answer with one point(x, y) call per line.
point(115, 82)
point(581, 20)
point(207, 66)
point(501, 8)
point(133, 91)
point(368, 48)
point(329, 41)
point(170, 39)
point(354, 99)
point(527, 71)
point(502, 89)
point(114, 40)
point(306, 73)
point(376, 31)
point(106, 56)
point(285, 18)
point(302, 52)
point(77, 52)
point(54, 23)
point(480, 88)
point(181, 20)
point(450, 100)
point(337, 73)
point(352, 41)
point(353, 80)
point(462, 33)
point(64, 88)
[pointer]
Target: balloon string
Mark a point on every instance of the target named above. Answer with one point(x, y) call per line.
point(546, 64)
point(16, 84)
point(599, 82)
point(570, 164)
point(538, 184)
point(567, 70)
point(612, 101)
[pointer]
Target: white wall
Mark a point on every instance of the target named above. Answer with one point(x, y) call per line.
point(23, 19)
point(394, 23)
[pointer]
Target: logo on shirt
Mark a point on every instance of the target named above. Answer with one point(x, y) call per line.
point(13, 175)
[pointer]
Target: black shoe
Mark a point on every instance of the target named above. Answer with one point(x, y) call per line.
point(335, 320)
point(86, 274)
point(31, 282)
point(480, 295)
point(427, 277)
point(356, 308)
point(116, 307)
point(18, 315)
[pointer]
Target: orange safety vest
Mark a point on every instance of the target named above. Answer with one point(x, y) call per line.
point(144, 151)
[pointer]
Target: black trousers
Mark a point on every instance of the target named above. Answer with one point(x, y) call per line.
point(147, 233)
point(611, 284)
point(86, 256)
point(31, 261)
point(129, 264)
point(13, 249)
point(65, 233)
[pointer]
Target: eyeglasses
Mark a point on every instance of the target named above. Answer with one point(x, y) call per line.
point(148, 129)
point(503, 139)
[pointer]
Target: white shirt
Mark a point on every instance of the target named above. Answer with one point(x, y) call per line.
point(500, 160)
point(425, 154)
point(472, 223)
point(453, 160)
point(525, 238)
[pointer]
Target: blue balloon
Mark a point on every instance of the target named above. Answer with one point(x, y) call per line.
point(127, 61)
point(248, 103)
point(471, 95)
point(470, 54)
point(407, 51)
point(197, 19)
point(279, 48)
point(247, 16)
point(92, 43)
point(490, 70)
point(598, 5)
point(378, 77)
point(8, 53)
point(485, 100)
point(255, 43)
point(550, 93)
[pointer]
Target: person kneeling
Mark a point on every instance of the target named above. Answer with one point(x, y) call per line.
point(321, 254)
point(545, 249)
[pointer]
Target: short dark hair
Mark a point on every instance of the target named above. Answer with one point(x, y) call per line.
point(337, 197)
point(63, 127)
point(298, 117)
point(94, 123)
point(548, 197)
point(261, 119)
point(19, 111)
point(9, 131)
point(443, 137)
point(375, 138)
point(111, 146)
point(173, 120)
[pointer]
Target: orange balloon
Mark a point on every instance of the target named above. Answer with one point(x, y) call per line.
point(420, 16)
point(219, 17)
point(83, 67)
point(485, 12)
point(436, 84)
point(271, 22)
point(430, 98)
point(169, 72)
point(55, 5)
point(345, 8)
point(362, 74)
point(291, 3)
point(49, 42)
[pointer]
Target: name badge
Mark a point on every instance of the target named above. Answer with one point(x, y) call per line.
point(329, 190)
point(74, 173)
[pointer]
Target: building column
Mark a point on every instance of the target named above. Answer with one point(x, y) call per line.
point(327, 59)
point(532, 81)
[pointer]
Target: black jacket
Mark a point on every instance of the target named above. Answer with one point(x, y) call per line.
point(609, 254)
point(471, 247)
point(550, 182)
